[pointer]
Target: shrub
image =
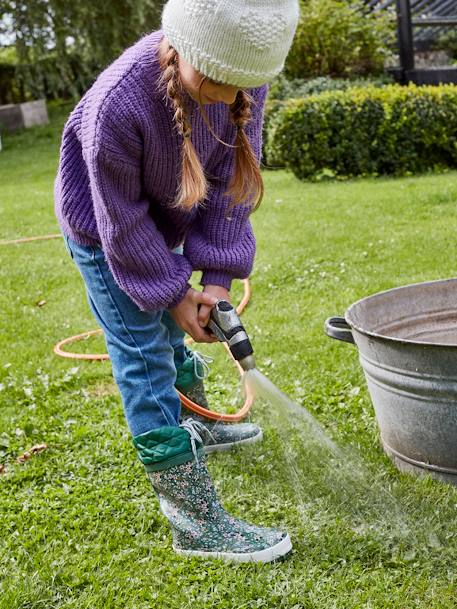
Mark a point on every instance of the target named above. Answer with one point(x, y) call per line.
point(447, 42)
point(269, 159)
point(61, 46)
point(47, 77)
point(366, 131)
point(338, 38)
point(282, 89)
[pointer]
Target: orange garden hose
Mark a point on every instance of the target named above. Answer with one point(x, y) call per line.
point(196, 408)
point(27, 239)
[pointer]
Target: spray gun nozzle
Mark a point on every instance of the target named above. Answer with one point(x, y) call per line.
point(248, 363)
point(226, 325)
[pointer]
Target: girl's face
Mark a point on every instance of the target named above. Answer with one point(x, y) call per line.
point(211, 92)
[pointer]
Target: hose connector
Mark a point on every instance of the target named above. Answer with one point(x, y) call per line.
point(226, 325)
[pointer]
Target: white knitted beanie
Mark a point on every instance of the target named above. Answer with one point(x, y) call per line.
point(237, 42)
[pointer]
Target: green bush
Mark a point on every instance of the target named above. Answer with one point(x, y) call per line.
point(282, 89)
point(366, 131)
point(47, 77)
point(60, 46)
point(447, 42)
point(338, 38)
point(272, 107)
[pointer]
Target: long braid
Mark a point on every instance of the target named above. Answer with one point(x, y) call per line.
point(247, 183)
point(193, 186)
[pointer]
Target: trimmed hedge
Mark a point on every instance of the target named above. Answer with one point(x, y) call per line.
point(282, 89)
point(366, 131)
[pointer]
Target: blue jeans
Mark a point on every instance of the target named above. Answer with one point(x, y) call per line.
point(144, 348)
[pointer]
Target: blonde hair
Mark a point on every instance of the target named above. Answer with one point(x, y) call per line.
point(246, 185)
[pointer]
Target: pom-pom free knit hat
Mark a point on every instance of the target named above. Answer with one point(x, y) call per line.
point(237, 42)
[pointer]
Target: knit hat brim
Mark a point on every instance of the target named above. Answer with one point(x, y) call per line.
point(217, 70)
point(237, 42)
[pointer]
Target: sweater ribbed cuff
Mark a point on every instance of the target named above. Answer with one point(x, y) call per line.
point(179, 296)
point(213, 277)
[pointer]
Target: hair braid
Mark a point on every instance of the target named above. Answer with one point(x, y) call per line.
point(247, 183)
point(193, 185)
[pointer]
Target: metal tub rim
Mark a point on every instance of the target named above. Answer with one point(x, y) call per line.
point(349, 314)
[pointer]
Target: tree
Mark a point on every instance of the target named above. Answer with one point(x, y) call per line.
point(61, 45)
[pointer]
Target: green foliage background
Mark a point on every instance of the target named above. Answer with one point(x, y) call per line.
point(340, 38)
point(365, 131)
point(61, 45)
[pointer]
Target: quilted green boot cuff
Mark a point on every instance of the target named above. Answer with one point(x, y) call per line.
point(166, 447)
point(187, 373)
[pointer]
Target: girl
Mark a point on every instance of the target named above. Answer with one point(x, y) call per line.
point(158, 173)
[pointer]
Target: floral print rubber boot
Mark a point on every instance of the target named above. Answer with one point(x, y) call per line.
point(174, 460)
point(217, 436)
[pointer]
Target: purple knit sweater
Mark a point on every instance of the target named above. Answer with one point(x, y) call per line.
point(118, 175)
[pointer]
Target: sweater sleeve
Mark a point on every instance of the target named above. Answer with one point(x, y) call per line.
point(219, 244)
point(135, 250)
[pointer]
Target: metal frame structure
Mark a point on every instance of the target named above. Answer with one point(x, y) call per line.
point(431, 18)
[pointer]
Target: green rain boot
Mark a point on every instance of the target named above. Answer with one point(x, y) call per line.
point(217, 436)
point(174, 460)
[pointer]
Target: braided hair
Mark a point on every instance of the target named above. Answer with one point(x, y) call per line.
point(193, 187)
point(246, 185)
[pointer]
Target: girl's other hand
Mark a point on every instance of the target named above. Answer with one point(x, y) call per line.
point(186, 314)
point(215, 290)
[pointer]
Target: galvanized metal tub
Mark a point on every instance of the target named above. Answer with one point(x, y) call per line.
point(407, 342)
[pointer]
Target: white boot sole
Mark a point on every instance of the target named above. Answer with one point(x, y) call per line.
point(211, 448)
point(267, 555)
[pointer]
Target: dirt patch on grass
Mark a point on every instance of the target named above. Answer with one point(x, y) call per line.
point(103, 388)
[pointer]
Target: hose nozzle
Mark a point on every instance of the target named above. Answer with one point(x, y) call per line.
point(226, 325)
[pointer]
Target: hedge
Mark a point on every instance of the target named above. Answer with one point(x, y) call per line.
point(47, 78)
point(282, 89)
point(366, 131)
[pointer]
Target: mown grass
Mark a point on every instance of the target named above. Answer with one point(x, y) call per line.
point(80, 524)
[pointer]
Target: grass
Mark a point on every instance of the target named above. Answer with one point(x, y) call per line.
point(80, 524)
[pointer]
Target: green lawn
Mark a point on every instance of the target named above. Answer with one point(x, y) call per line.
point(80, 525)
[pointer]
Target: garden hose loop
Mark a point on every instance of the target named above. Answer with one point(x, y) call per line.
point(185, 401)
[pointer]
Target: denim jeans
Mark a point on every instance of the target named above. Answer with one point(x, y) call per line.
point(144, 348)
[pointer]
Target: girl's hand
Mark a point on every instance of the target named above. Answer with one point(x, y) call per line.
point(215, 290)
point(186, 314)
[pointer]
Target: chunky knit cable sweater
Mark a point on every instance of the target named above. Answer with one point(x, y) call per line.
point(118, 175)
